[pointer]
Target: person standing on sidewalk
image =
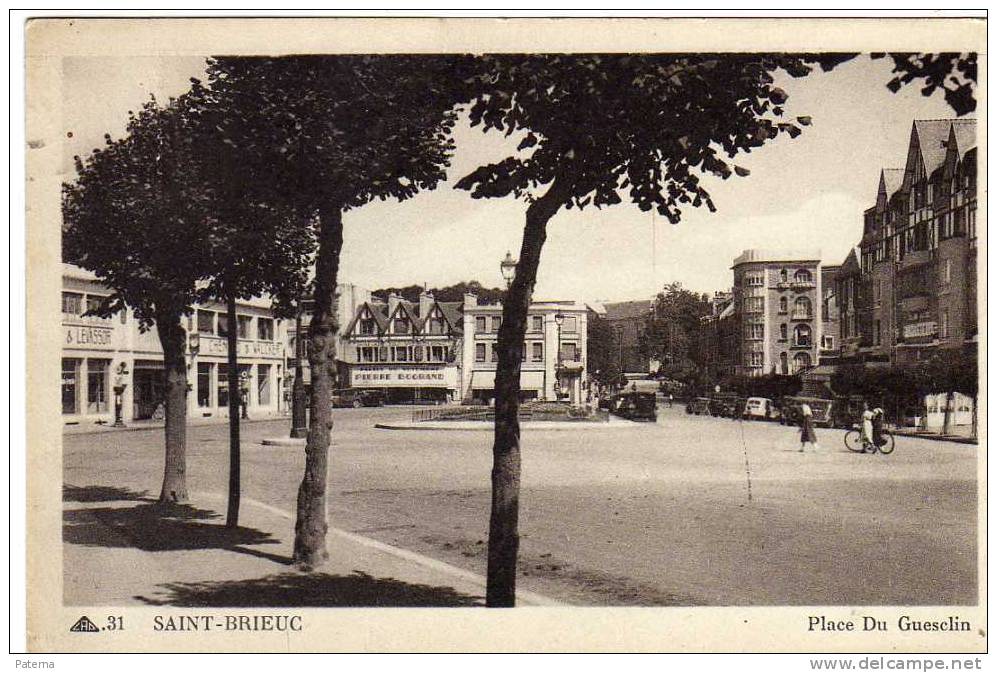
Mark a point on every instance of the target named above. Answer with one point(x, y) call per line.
point(807, 433)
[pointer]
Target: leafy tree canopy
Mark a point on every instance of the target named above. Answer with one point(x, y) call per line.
point(448, 293)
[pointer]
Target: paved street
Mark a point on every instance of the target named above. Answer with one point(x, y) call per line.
point(654, 514)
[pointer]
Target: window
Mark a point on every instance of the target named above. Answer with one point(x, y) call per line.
point(754, 304)
point(263, 385)
point(205, 322)
point(536, 323)
point(367, 326)
point(368, 354)
point(479, 352)
point(569, 352)
point(755, 279)
point(264, 329)
point(801, 308)
point(801, 361)
point(480, 324)
point(97, 378)
point(222, 394)
point(756, 359)
point(801, 335)
point(754, 331)
point(496, 323)
point(827, 343)
point(222, 325)
point(204, 384)
point(783, 363)
point(72, 303)
point(570, 324)
point(70, 383)
point(435, 324)
point(401, 326)
point(783, 331)
point(243, 323)
point(783, 305)
point(495, 353)
point(803, 276)
point(417, 353)
point(437, 353)
point(537, 354)
point(94, 302)
point(783, 276)
point(401, 354)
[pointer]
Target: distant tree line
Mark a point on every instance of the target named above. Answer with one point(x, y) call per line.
point(455, 292)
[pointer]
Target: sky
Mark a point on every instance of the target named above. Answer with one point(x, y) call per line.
point(808, 192)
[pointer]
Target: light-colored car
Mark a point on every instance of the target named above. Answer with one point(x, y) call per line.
point(759, 408)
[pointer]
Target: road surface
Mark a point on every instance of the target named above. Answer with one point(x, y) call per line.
point(648, 514)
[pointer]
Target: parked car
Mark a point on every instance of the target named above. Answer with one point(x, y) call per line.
point(700, 406)
point(821, 408)
point(724, 405)
point(635, 406)
point(759, 408)
point(356, 398)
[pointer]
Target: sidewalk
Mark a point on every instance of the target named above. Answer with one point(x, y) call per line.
point(938, 437)
point(120, 550)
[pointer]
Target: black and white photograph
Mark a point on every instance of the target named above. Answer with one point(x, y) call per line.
point(460, 324)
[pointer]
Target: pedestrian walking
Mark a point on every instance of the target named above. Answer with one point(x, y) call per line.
point(867, 418)
point(671, 399)
point(807, 433)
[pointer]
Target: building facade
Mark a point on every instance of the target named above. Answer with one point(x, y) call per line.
point(830, 341)
point(409, 351)
point(101, 354)
point(777, 301)
point(915, 291)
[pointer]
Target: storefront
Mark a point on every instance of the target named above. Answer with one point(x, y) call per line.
point(411, 384)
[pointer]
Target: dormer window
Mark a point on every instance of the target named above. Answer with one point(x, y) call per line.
point(401, 326)
point(367, 326)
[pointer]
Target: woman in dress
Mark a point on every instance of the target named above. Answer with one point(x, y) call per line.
point(807, 433)
point(867, 415)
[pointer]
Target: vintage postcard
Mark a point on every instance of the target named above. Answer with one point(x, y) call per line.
point(658, 334)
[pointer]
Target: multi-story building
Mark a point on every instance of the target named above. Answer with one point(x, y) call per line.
point(917, 257)
point(717, 341)
point(434, 351)
point(554, 361)
point(830, 340)
point(100, 354)
point(410, 351)
point(777, 299)
point(849, 302)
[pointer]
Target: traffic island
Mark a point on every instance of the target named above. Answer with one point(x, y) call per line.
point(283, 441)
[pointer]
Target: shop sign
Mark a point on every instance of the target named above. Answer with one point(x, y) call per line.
point(244, 347)
point(920, 329)
point(438, 377)
point(85, 336)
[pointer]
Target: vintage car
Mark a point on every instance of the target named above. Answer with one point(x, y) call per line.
point(821, 408)
point(356, 398)
point(725, 405)
point(759, 408)
point(635, 406)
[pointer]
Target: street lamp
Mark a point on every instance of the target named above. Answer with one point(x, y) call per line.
point(558, 320)
point(508, 267)
point(119, 390)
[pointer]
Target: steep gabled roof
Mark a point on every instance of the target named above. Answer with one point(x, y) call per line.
point(850, 266)
point(411, 312)
point(891, 180)
point(965, 135)
point(932, 136)
point(376, 312)
point(452, 312)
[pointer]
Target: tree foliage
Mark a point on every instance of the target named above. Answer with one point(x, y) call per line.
point(672, 330)
point(954, 73)
point(455, 292)
point(602, 354)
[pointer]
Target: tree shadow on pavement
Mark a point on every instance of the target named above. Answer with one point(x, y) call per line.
point(311, 590)
point(72, 493)
point(154, 527)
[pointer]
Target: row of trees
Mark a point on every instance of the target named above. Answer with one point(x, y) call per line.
point(240, 186)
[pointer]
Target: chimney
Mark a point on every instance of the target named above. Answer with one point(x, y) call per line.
point(470, 299)
point(393, 301)
point(425, 303)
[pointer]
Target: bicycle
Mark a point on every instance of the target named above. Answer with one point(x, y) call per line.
point(855, 442)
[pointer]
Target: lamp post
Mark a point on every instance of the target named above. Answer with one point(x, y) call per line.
point(119, 390)
point(244, 393)
point(558, 320)
point(299, 419)
point(508, 267)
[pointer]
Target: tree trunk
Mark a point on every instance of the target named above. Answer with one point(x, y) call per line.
point(234, 391)
point(503, 530)
point(172, 337)
point(311, 526)
point(947, 417)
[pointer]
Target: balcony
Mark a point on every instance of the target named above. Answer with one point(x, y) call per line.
point(796, 285)
point(801, 316)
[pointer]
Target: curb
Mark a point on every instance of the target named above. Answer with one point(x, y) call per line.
point(68, 430)
point(283, 441)
point(489, 426)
